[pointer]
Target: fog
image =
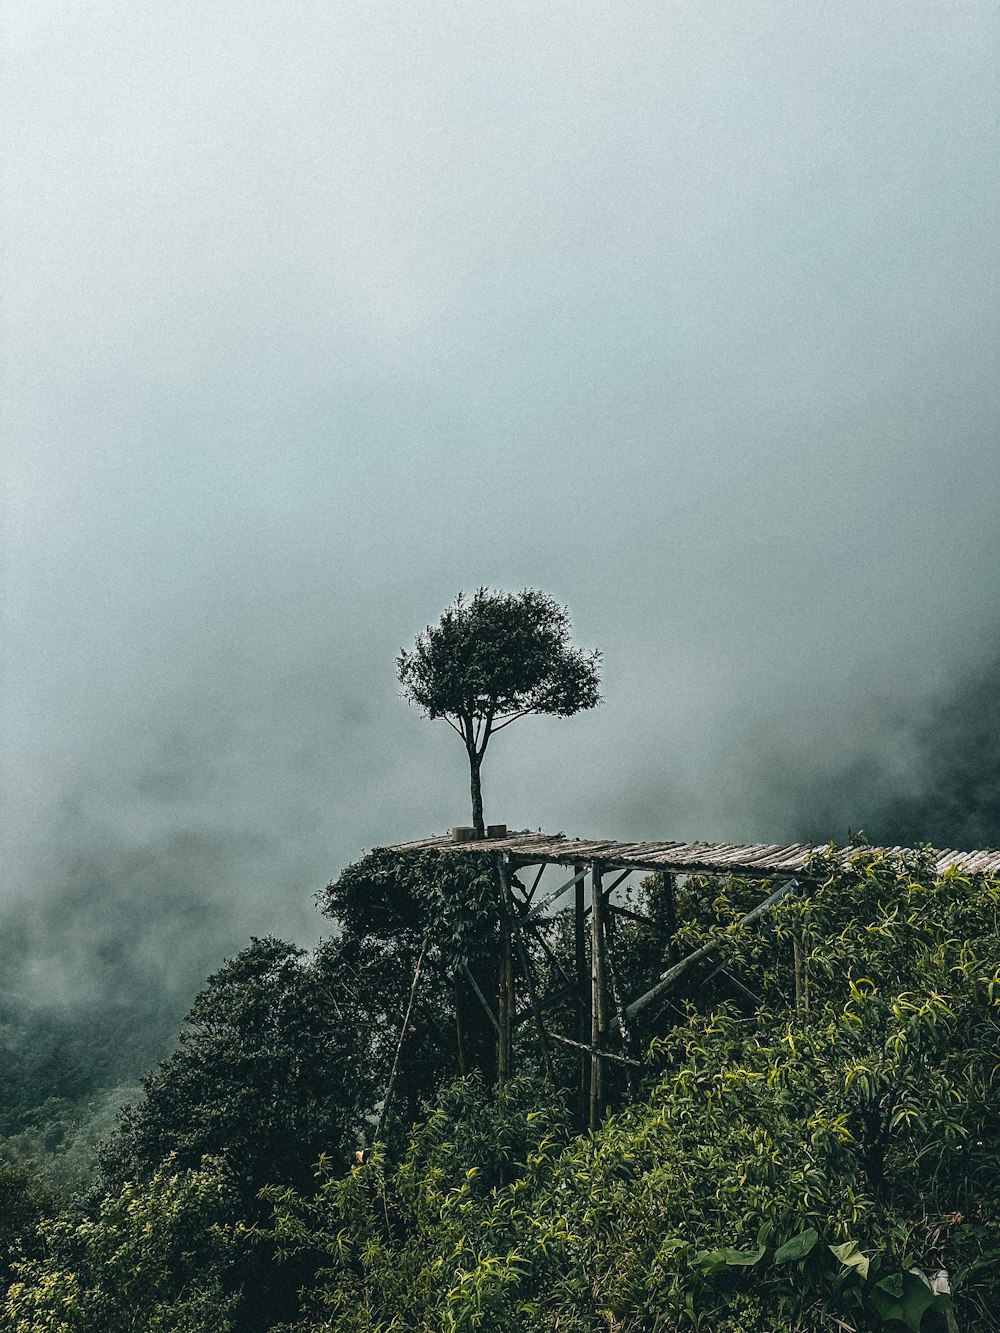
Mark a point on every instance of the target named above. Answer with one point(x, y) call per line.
point(315, 314)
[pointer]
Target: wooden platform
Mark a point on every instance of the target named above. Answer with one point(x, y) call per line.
point(763, 860)
point(609, 1028)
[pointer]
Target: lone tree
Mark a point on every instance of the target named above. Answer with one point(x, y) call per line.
point(492, 659)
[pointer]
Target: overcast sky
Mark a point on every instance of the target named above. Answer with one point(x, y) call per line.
point(315, 313)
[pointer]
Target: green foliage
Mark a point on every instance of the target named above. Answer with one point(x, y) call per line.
point(499, 655)
point(786, 1168)
point(270, 1072)
point(385, 904)
point(25, 1201)
point(391, 897)
point(493, 659)
point(788, 1163)
point(59, 1139)
point(154, 1260)
point(391, 1236)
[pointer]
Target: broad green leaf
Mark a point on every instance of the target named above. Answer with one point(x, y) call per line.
point(903, 1296)
point(851, 1256)
point(798, 1247)
point(743, 1258)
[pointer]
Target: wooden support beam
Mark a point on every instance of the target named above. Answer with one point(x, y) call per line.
point(547, 901)
point(674, 974)
point(527, 970)
point(505, 995)
point(738, 985)
point(720, 970)
point(538, 879)
point(670, 915)
point(539, 938)
point(620, 880)
point(459, 1035)
point(582, 991)
point(544, 1002)
point(631, 916)
point(599, 997)
point(589, 1050)
point(480, 996)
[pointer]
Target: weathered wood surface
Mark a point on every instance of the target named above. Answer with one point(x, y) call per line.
point(764, 860)
point(599, 997)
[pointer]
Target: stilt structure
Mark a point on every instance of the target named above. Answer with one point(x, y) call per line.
point(522, 911)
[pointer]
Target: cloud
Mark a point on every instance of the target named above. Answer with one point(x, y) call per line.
point(315, 316)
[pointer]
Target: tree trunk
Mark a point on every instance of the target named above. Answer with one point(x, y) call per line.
point(477, 794)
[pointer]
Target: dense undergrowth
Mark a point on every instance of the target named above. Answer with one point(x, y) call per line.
point(790, 1159)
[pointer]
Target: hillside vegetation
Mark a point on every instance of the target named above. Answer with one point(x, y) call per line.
point(773, 1167)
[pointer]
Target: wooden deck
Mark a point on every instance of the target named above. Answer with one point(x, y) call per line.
point(763, 860)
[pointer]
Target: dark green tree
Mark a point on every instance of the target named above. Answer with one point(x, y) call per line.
point(269, 1075)
point(26, 1200)
point(494, 658)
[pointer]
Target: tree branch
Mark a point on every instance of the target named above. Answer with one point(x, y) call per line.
point(513, 718)
point(487, 733)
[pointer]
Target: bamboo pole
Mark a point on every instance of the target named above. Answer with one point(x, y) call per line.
point(477, 991)
point(589, 1050)
point(529, 976)
point(583, 990)
point(670, 889)
point(459, 1035)
point(399, 1045)
point(599, 997)
point(505, 998)
point(674, 974)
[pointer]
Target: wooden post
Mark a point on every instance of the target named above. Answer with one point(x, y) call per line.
point(505, 993)
point(583, 991)
point(529, 977)
point(598, 997)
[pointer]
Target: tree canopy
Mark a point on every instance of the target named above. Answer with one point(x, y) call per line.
point(492, 659)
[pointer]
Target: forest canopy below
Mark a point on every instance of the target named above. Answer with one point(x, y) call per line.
point(776, 1160)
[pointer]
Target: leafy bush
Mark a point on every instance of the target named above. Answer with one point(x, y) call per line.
point(153, 1259)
